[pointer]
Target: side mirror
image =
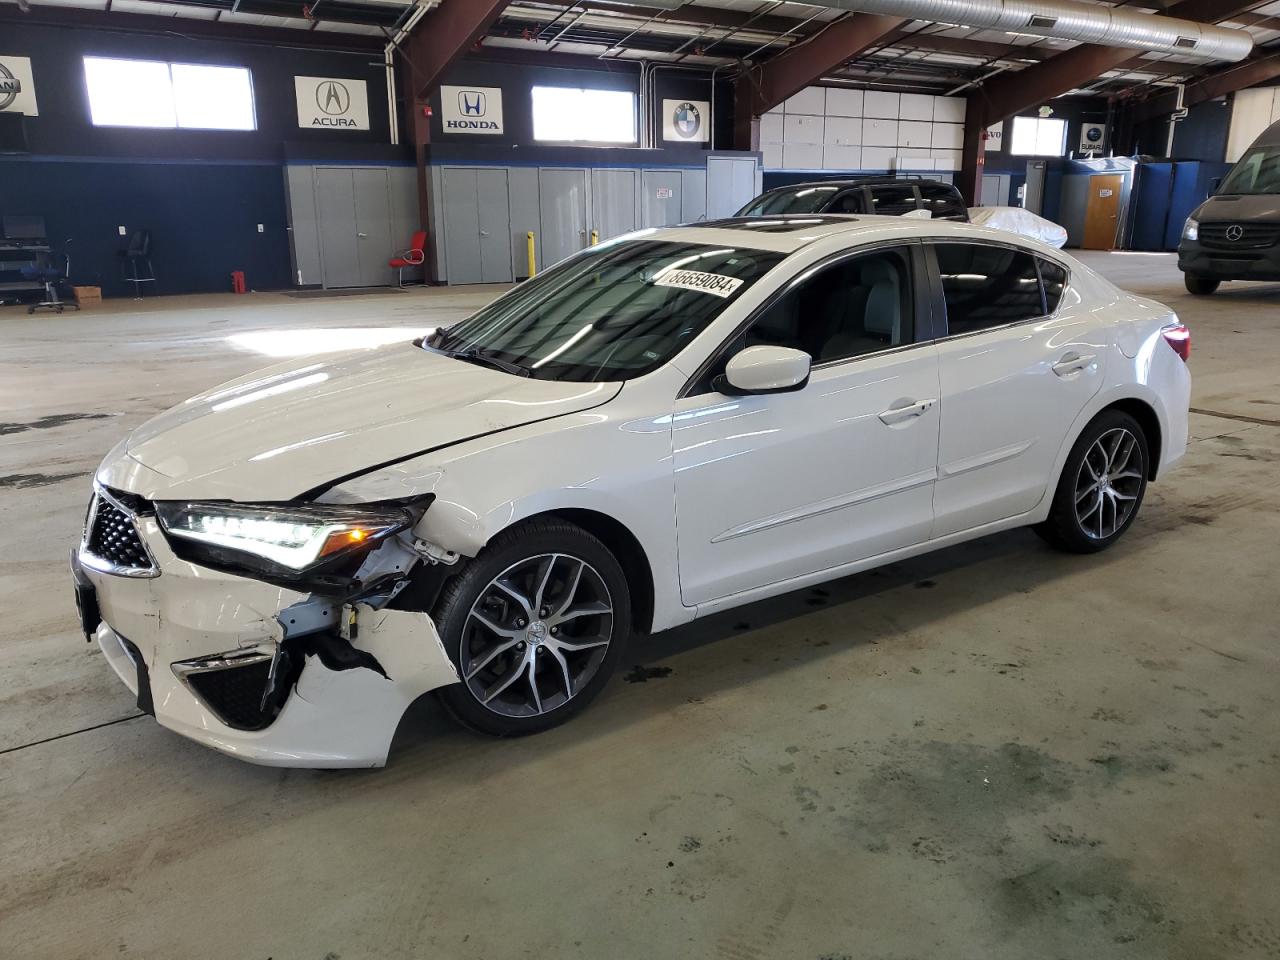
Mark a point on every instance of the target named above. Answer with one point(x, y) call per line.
point(766, 369)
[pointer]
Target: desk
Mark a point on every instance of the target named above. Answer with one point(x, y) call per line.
point(13, 258)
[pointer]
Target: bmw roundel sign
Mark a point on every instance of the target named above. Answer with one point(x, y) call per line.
point(687, 120)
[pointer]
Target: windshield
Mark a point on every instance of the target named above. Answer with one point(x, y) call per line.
point(1257, 172)
point(611, 313)
point(801, 200)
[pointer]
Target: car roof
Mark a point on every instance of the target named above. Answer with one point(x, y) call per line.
point(873, 180)
point(787, 234)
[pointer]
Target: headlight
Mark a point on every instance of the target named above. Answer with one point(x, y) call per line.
point(294, 538)
point(1191, 229)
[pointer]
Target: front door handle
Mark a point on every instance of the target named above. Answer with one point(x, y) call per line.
point(905, 412)
point(1073, 363)
point(363, 236)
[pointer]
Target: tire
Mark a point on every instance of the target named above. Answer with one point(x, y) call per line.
point(1200, 286)
point(1086, 517)
point(493, 642)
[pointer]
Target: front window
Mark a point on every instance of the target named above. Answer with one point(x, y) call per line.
point(1257, 172)
point(775, 202)
point(614, 312)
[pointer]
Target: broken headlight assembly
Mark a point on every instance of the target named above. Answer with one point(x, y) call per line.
point(288, 543)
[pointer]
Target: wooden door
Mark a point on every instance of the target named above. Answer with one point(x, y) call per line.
point(1102, 214)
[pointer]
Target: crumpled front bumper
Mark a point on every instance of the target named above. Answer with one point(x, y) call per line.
point(331, 717)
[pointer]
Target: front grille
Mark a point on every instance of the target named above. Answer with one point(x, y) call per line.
point(112, 537)
point(235, 694)
point(1252, 235)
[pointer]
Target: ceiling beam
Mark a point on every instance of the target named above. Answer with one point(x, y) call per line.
point(701, 16)
point(983, 49)
point(444, 35)
point(763, 87)
point(1008, 94)
point(69, 17)
point(1236, 77)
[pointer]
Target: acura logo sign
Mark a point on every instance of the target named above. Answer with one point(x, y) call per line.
point(10, 87)
point(333, 98)
point(1235, 232)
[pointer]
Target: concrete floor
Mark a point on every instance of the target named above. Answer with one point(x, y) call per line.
point(997, 751)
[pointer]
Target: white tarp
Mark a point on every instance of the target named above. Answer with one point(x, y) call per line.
point(1019, 221)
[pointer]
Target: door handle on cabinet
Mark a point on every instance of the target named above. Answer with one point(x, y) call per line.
point(1073, 363)
point(907, 412)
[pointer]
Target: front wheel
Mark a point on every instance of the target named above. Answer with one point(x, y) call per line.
point(1102, 485)
point(1200, 286)
point(535, 626)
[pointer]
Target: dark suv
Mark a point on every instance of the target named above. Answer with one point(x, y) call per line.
point(890, 196)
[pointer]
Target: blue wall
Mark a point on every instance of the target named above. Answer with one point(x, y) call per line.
point(201, 193)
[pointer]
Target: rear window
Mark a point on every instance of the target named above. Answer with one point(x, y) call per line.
point(987, 286)
point(893, 200)
point(942, 202)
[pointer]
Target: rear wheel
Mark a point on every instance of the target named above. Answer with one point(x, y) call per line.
point(535, 627)
point(1200, 286)
point(1101, 487)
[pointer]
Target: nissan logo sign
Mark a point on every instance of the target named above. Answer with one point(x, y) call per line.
point(10, 87)
point(1235, 232)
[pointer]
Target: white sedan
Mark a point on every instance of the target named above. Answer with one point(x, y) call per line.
point(671, 424)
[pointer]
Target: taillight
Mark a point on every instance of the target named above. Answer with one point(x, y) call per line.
point(1178, 336)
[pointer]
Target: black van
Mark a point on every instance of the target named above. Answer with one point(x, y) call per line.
point(891, 196)
point(1235, 234)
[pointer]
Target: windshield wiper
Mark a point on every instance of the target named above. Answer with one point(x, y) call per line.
point(484, 358)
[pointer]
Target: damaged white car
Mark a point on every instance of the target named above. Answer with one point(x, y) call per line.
point(673, 423)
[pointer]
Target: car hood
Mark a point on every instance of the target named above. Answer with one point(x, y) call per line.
point(1241, 207)
point(289, 429)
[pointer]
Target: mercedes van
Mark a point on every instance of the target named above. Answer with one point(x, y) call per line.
point(1235, 234)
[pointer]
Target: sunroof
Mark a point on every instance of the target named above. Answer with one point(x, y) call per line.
point(779, 224)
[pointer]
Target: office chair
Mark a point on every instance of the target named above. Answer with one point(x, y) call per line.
point(51, 274)
point(136, 254)
point(415, 256)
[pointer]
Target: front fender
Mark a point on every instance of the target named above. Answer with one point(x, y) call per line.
point(614, 460)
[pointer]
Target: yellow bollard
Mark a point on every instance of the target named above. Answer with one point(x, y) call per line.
point(533, 262)
point(595, 237)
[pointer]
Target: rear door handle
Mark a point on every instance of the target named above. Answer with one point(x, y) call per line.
point(1073, 363)
point(906, 412)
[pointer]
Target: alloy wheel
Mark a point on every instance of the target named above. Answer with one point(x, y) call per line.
point(536, 635)
point(1109, 483)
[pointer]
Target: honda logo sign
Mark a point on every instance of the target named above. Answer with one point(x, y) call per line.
point(471, 110)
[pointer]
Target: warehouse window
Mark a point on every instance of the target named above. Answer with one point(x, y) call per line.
point(152, 93)
point(569, 114)
point(1039, 137)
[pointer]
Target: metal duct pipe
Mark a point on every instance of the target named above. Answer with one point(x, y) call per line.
point(1069, 20)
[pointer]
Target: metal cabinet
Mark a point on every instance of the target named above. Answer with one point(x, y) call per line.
point(353, 208)
point(562, 203)
point(731, 183)
point(477, 224)
point(661, 192)
point(613, 202)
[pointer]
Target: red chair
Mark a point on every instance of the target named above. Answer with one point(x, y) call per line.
point(415, 256)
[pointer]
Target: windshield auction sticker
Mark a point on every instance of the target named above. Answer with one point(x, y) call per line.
point(712, 283)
